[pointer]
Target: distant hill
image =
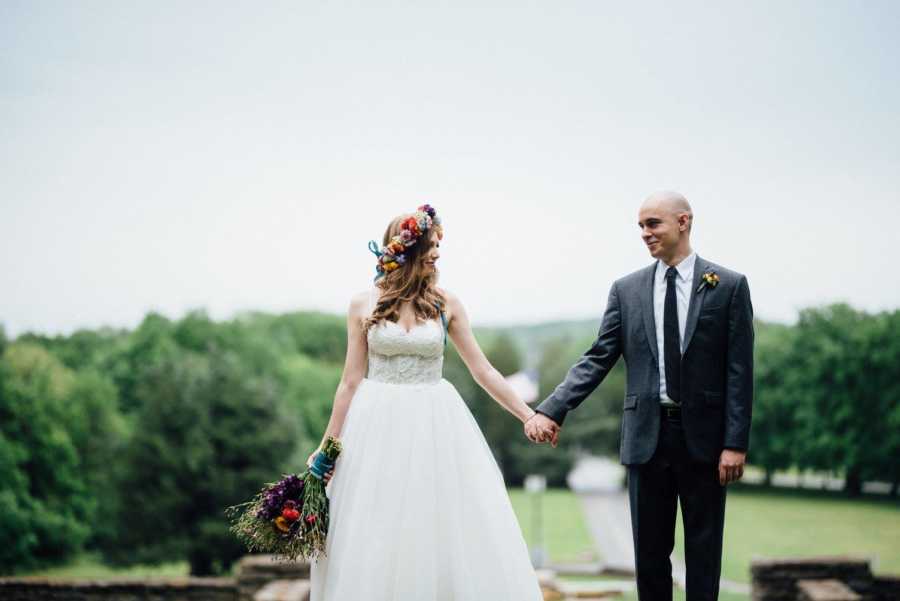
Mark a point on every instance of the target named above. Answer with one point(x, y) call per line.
point(530, 339)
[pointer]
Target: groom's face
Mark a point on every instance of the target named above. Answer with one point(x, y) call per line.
point(660, 231)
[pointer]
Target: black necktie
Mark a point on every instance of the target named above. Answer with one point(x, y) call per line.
point(672, 339)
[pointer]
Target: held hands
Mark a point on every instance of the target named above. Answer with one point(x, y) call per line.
point(328, 474)
point(540, 428)
point(731, 466)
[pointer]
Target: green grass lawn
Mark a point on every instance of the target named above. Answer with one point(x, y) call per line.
point(90, 567)
point(782, 523)
point(759, 523)
point(567, 537)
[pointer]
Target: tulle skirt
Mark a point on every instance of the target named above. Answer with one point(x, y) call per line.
point(419, 509)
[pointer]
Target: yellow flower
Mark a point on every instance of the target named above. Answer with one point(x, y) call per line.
point(710, 278)
point(282, 524)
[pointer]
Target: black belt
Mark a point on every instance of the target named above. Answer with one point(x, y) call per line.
point(669, 412)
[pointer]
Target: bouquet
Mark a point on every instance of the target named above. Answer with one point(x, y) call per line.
point(289, 518)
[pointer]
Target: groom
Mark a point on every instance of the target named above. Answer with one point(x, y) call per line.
point(684, 326)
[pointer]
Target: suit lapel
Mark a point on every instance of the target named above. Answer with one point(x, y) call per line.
point(647, 285)
point(700, 267)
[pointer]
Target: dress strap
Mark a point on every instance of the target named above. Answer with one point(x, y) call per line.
point(443, 321)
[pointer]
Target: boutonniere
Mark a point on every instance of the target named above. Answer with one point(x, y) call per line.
point(710, 278)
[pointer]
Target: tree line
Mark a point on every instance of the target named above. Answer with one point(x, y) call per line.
point(132, 442)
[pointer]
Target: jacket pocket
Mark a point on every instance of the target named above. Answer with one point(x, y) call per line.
point(630, 401)
point(711, 309)
point(714, 399)
point(712, 316)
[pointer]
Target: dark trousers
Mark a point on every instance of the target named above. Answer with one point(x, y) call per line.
point(654, 489)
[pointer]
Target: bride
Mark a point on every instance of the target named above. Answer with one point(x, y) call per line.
point(419, 509)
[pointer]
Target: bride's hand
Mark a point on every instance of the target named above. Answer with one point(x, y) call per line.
point(540, 428)
point(328, 474)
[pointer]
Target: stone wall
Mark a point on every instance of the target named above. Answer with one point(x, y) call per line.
point(826, 590)
point(256, 571)
point(170, 589)
point(886, 588)
point(820, 579)
point(257, 575)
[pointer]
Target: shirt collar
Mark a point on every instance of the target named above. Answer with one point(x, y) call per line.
point(685, 269)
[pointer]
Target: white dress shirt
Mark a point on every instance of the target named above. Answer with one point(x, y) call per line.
point(683, 282)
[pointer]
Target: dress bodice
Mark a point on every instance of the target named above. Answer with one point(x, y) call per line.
point(398, 356)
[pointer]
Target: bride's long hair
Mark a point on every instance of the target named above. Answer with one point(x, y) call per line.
point(414, 282)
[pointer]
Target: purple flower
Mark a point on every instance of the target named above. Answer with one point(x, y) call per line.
point(287, 490)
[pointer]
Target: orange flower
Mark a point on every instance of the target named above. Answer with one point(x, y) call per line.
point(282, 524)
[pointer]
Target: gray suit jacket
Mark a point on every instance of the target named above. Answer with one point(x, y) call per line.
point(716, 366)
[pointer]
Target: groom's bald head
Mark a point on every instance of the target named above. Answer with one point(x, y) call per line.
point(671, 203)
point(665, 219)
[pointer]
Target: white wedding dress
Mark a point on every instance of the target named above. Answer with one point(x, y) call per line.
point(419, 509)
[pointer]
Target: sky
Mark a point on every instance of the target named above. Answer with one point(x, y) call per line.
point(231, 156)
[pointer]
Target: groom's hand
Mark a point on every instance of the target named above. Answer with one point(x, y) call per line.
point(731, 466)
point(541, 428)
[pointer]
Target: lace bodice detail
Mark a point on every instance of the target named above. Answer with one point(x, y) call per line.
point(400, 357)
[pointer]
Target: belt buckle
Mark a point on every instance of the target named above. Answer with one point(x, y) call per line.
point(672, 412)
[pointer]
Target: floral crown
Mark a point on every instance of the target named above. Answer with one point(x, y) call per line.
point(393, 255)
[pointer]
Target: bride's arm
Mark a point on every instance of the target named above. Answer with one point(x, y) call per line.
point(354, 366)
point(481, 369)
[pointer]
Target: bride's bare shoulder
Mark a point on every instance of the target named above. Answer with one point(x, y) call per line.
point(451, 300)
point(359, 304)
point(448, 295)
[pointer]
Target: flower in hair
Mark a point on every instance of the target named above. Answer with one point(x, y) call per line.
point(393, 254)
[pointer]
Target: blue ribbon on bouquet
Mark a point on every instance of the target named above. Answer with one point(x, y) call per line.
point(321, 465)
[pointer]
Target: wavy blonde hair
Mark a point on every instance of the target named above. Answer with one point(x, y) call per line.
point(413, 283)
